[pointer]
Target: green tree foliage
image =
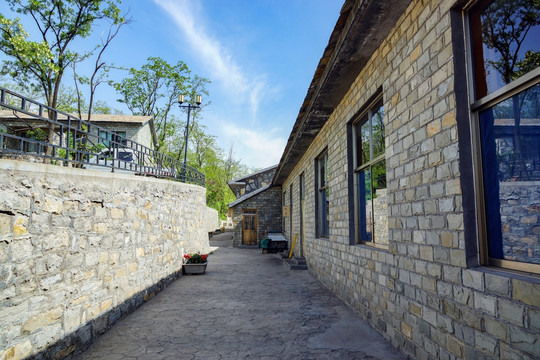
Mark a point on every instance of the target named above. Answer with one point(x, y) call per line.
point(219, 168)
point(42, 63)
point(153, 90)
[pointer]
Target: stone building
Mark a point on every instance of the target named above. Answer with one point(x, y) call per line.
point(135, 128)
point(413, 172)
point(257, 209)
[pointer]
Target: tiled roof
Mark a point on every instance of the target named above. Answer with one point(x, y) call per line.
point(98, 118)
point(249, 195)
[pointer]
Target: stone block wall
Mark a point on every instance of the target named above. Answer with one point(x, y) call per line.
point(268, 204)
point(80, 249)
point(212, 220)
point(134, 132)
point(520, 217)
point(418, 291)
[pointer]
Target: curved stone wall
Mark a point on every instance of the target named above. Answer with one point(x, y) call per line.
point(80, 249)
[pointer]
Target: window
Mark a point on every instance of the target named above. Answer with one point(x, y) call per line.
point(371, 211)
point(113, 137)
point(505, 45)
point(291, 212)
point(322, 195)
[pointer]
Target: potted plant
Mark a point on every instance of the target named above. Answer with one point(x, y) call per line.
point(195, 263)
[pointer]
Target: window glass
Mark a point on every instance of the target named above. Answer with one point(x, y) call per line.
point(377, 121)
point(365, 218)
point(371, 201)
point(510, 133)
point(323, 196)
point(505, 41)
point(380, 201)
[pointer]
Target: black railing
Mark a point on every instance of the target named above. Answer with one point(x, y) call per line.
point(36, 130)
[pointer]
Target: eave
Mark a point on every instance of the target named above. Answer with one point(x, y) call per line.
point(360, 30)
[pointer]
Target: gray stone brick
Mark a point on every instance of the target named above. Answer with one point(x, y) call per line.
point(512, 312)
point(498, 284)
point(486, 343)
point(524, 340)
point(473, 279)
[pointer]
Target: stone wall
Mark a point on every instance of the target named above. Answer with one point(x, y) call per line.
point(268, 204)
point(212, 220)
point(80, 249)
point(134, 132)
point(520, 217)
point(418, 291)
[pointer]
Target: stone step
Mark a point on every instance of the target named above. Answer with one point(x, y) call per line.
point(294, 264)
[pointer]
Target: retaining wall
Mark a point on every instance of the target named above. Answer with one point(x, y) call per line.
point(80, 249)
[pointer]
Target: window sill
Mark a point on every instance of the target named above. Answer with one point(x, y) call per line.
point(372, 246)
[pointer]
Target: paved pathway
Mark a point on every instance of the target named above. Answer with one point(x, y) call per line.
point(248, 305)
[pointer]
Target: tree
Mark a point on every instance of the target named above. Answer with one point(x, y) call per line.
point(43, 63)
point(153, 90)
point(100, 68)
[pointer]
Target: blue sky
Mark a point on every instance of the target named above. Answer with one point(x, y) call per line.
point(260, 56)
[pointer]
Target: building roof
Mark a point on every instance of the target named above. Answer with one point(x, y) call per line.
point(249, 195)
point(241, 180)
point(103, 118)
point(126, 119)
point(361, 28)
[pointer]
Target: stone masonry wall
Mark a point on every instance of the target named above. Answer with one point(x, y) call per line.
point(268, 204)
point(520, 217)
point(418, 292)
point(81, 249)
point(134, 132)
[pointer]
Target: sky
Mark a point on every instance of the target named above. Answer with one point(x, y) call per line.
point(260, 57)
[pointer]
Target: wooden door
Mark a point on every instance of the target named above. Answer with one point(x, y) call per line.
point(249, 227)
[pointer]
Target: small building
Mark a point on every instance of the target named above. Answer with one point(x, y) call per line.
point(257, 209)
point(139, 129)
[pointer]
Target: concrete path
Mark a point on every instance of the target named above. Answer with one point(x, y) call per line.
point(248, 305)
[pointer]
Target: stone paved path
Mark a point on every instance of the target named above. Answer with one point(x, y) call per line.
point(248, 305)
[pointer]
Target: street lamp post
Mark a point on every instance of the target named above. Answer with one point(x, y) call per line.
point(189, 106)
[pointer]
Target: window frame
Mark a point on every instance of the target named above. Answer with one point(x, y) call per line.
point(476, 106)
point(322, 230)
point(375, 102)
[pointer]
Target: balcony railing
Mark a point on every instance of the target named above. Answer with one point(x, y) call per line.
point(78, 143)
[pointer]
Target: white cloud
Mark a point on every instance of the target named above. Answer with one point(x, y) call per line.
point(258, 149)
point(222, 66)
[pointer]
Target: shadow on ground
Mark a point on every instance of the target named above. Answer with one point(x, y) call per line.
point(247, 305)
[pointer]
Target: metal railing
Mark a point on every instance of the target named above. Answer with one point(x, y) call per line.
point(35, 130)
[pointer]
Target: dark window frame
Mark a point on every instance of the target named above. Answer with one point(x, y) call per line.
point(322, 222)
point(358, 166)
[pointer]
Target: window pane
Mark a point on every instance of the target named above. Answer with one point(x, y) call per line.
point(322, 171)
point(361, 129)
point(323, 192)
point(510, 134)
point(323, 215)
point(377, 121)
point(380, 208)
point(506, 42)
point(365, 218)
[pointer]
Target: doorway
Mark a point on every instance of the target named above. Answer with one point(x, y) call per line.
point(249, 227)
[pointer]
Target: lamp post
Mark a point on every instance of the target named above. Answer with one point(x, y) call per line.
point(189, 106)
